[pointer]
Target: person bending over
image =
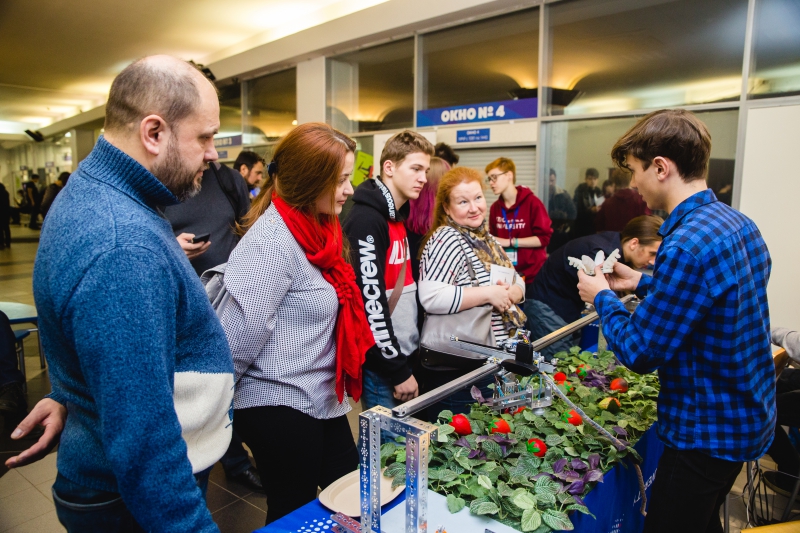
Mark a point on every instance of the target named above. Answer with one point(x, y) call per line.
point(555, 301)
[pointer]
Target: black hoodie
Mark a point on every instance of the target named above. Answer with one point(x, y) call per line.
point(379, 248)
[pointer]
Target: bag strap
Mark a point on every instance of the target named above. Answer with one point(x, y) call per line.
point(472, 275)
point(401, 281)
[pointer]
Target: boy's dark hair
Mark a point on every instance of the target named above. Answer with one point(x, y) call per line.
point(621, 178)
point(676, 134)
point(446, 152)
point(404, 143)
point(248, 159)
point(592, 172)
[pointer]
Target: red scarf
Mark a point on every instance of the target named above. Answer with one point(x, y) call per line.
point(322, 243)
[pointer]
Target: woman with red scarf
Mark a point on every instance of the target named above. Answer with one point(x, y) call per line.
point(295, 323)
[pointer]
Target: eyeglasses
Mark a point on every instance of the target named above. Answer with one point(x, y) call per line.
point(491, 178)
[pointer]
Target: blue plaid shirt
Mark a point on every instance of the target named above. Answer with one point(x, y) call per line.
point(704, 325)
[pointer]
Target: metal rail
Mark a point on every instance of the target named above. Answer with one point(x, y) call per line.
point(490, 367)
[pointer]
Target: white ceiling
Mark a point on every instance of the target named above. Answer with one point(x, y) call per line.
point(59, 56)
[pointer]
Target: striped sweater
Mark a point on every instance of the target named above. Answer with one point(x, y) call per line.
point(444, 275)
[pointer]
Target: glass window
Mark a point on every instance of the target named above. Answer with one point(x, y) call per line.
point(486, 61)
point(230, 110)
point(618, 55)
point(372, 89)
point(775, 70)
point(577, 145)
point(270, 106)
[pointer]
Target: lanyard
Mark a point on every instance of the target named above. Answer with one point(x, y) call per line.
point(508, 224)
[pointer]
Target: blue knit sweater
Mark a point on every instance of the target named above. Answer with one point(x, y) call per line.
point(136, 352)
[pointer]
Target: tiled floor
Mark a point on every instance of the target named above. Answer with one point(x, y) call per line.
point(25, 500)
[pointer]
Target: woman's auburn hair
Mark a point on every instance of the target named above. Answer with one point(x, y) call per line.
point(421, 216)
point(309, 161)
point(451, 179)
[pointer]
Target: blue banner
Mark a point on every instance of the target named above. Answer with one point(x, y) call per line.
point(235, 140)
point(464, 114)
point(471, 136)
point(222, 154)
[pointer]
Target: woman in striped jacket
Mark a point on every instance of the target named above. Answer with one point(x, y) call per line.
point(460, 237)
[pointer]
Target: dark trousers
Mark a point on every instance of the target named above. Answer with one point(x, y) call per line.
point(787, 401)
point(689, 489)
point(5, 233)
point(235, 461)
point(9, 371)
point(34, 217)
point(295, 453)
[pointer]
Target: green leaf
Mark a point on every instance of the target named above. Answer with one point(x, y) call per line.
point(528, 415)
point(446, 474)
point(454, 503)
point(446, 415)
point(571, 451)
point(400, 455)
point(443, 432)
point(492, 449)
point(523, 432)
point(388, 449)
point(547, 498)
point(557, 520)
point(479, 507)
point(394, 469)
point(531, 520)
point(581, 509)
point(485, 482)
point(545, 485)
point(525, 501)
point(398, 481)
point(503, 489)
point(553, 440)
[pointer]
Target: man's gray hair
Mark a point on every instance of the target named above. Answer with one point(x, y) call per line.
point(152, 87)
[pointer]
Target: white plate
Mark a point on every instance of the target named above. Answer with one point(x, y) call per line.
point(343, 495)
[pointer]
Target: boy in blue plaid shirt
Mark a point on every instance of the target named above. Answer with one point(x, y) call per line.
point(703, 324)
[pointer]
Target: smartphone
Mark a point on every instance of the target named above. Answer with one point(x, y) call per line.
point(203, 237)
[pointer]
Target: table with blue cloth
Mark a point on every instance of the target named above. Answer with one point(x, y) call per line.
point(615, 502)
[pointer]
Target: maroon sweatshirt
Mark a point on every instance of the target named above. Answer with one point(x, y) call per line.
point(621, 208)
point(526, 218)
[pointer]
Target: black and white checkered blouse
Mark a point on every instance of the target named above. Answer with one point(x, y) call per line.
point(280, 323)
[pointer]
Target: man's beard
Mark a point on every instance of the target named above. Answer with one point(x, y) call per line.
point(176, 175)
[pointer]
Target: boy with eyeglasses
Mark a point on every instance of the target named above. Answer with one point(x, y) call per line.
point(518, 220)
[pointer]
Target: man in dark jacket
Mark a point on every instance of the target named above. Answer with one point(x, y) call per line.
point(216, 209)
point(379, 250)
point(586, 195)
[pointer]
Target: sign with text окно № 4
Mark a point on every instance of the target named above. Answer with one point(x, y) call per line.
point(464, 114)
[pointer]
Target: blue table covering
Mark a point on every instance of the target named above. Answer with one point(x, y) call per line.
point(615, 502)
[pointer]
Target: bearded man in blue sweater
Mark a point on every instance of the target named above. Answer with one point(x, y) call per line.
point(136, 353)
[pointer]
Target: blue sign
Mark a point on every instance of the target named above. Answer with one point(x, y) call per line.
point(471, 136)
point(235, 140)
point(222, 154)
point(505, 110)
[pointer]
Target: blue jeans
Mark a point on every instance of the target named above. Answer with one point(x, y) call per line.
point(376, 390)
point(542, 320)
point(81, 509)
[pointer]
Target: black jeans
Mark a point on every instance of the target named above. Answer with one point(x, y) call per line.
point(295, 453)
point(787, 401)
point(689, 489)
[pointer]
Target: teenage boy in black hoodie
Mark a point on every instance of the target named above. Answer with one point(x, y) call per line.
point(380, 255)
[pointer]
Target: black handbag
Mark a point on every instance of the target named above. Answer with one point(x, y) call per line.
point(436, 349)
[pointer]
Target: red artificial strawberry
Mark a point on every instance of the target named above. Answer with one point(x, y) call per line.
point(581, 370)
point(572, 417)
point(568, 387)
point(610, 404)
point(537, 447)
point(559, 377)
point(619, 384)
point(500, 426)
point(461, 425)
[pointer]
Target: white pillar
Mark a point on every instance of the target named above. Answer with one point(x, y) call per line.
point(311, 90)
